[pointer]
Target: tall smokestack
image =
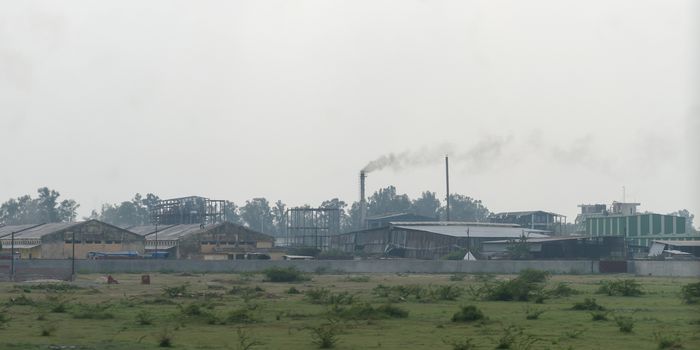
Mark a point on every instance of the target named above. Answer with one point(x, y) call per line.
point(447, 183)
point(363, 202)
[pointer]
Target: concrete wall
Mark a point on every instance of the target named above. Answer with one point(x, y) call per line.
point(44, 268)
point(664, 268)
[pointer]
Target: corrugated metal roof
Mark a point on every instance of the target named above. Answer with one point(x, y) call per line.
point(7, 230)
point(524, 213)
point(451, 223)
point(680, 243)
point(177, 231)
point(480, 231)
point(540, 240)
point(22, 246)
point(45, 229)
point(147, 229)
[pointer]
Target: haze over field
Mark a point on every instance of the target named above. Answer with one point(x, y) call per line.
point(542, 104)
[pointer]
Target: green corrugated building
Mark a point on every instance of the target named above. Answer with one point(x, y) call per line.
point(640, 229)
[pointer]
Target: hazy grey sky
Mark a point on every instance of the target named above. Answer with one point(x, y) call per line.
point(543, 104)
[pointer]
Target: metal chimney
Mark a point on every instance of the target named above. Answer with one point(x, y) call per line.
point(363, 202)
point(447, 183)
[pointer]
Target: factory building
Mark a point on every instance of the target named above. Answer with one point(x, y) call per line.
point(571, 247)
point(57, 240)
point(426, 240)
point(534, 220)
point(385, 219)
point(641, 229)
point(220, 241)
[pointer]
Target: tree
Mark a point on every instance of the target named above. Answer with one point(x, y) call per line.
point(135, 212)
point(344, 217)
point(231, 212)
point(463, 208)
point(427, 205)
point(43, 209)
point(256, 214)
point(278, 213)
point(385, 200)
point(519, 250)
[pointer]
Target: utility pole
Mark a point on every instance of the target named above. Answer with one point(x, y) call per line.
point(156, 254)
point(12, 257)
point(72, 273)
point(447, 183)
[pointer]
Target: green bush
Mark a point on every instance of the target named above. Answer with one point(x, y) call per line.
point(668, 341)
point(165, 339)
point(690, 293)
point(282, 274)
point(599, 315)
point(325, 336)
point(588, 304)
point(461, 344)
point(625, 288)
point(22, 300)
point(446, 292)
point(53, 287)
point(469, 313)
point(533, 314)
point(526, 286)
point(625, 324)
point(562, 290)
point(366, 311)
point(144, 318)
point(47, 330)
point(175, 291)
point(293, 290)
point(242, 315)
point(357, 279)
point(4, 318)
point(92, 312)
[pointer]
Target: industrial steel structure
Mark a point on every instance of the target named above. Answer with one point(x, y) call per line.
point(188, 210)
point(311, 227)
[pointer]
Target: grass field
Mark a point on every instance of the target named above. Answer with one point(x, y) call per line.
point(233, 311)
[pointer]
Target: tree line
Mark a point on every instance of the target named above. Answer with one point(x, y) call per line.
point(258, 213)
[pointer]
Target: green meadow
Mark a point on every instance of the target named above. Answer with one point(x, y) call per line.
point(343, 311)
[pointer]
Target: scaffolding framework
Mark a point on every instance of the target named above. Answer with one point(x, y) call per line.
point(312, 227)
point(188, 210)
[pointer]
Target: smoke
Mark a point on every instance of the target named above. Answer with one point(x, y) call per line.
point(481, 154)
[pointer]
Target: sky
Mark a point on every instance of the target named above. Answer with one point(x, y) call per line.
point(541, 105)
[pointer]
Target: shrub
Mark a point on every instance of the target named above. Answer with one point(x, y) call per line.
point(690, 293)
point(357, 279)
point(461, 344)
point(366, 311)
point(533, 314)
point(21, 300)
point(468, 313)
point(47, 330)
point(242, 315)
point(53, 287)
point(625, 288)
point(92, 312)
point(392, 311)
point(4, 318)
point(458, 277)
point(624, 323)
point(446, 292)
point(175, 291)
point(668, 341)
point(281, 274)
point(588, 304)
point(514, 338)
point(144, 318)
point(293, 290)
point(599, 315)
point(245, 342)
point(522, 288)
point(455, 255)
point(165, 339)
point(324, 336)
point(562, 290)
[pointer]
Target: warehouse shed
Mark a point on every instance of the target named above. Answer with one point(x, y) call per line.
point(427, 240)
point(55, 240)
point(220, 241)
